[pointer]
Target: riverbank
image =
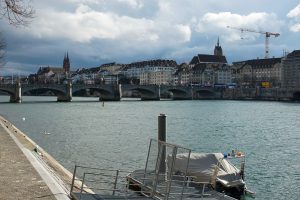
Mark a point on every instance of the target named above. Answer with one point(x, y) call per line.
point(26, 170)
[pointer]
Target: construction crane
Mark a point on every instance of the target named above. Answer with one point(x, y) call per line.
point(267, 36)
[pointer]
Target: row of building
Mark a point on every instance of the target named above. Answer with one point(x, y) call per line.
point(203, 70)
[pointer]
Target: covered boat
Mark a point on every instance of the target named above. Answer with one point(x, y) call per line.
point(212, 168)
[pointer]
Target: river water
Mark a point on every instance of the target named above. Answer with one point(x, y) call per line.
point(117, 134)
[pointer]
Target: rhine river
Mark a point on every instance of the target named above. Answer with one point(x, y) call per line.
point(117, 134)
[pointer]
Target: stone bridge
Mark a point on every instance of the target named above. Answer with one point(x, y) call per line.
point(64, 92)
point(155, 92)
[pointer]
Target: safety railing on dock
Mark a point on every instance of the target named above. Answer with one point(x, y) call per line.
point(96, 183)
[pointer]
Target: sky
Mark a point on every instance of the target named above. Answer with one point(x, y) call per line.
point(94, 32)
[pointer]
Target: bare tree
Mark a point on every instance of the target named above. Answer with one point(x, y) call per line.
point(2, 51)
point(17, 12)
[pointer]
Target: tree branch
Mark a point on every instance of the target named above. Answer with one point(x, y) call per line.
point(2, 50)
point(18, 12)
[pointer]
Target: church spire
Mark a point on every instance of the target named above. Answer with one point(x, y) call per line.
point(218, 49)
point(66, 63)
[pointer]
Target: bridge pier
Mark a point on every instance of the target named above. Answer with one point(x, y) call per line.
point(17, 96)
point(68, 96)
point(115, 95)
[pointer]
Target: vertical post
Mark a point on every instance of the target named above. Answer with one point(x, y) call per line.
point(162, 127)
point(73, 179)
point(159, 91)
point(192, 92)
point(69, 89)
point(82, 184)
point(162, 137)
point(116, 181)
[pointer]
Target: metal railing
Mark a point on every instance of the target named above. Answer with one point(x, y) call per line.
point(96, 181)
point(160, 179)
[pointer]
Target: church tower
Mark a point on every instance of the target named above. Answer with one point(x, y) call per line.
point(218, 49)
point(66, 63)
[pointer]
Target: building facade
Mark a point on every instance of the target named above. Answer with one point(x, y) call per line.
point(291, 70)
point(258, 72)
point(162, 77)
point(158, 72)
point(182, 76)
point(210, 70)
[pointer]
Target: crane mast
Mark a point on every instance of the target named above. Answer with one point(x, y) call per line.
point(267, 36)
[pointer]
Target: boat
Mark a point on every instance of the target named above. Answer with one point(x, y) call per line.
point(214, 168)
point(169, 167)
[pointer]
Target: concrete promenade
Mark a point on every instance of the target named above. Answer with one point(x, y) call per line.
point(25, 174)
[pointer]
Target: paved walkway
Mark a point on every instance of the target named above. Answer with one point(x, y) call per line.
point(18, 178)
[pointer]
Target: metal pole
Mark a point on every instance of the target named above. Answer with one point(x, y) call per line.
point(162, 137)
point(162, 127)
point(73, 179)
point(116, 181)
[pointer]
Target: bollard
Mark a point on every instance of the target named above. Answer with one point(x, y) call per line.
point(162, 137)
point(162, 127)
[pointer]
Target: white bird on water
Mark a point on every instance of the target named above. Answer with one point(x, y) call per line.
point(46, 133)
point(23, 119)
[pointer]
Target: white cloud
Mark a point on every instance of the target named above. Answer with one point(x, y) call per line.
point(294, 12)
point(218, 22)
point(185, 31)
point(86, 1)
point(295, 15)
point(86, 24)
point(295, 27)
point(133, 3)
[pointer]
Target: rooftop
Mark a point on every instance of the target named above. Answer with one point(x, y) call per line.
point(206, 58)
point(295, 53)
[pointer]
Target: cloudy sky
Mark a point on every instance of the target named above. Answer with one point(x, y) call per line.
point(94, 32)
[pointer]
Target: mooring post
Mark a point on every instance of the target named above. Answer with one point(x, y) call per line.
point(162, 137)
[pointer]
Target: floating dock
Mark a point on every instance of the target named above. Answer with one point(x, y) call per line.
point(158, 180)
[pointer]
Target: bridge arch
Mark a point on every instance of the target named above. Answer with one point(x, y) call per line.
point(296, 96)
point(178, 93)
point(59, 90)
point(13, 91)
point(204, 94)
point(56, 92)
point(106, 92)
point(146, 92)
point(7, 91)
point(92, 89)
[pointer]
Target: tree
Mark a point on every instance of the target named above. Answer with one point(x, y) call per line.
point(17, 12)
point(2, 47)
